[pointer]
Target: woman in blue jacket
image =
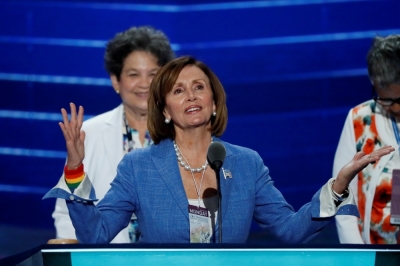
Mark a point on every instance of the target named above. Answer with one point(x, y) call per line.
point(172, 189)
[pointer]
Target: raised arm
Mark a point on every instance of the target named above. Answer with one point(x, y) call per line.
point(74, 138)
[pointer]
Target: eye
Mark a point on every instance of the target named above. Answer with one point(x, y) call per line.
point(199, 87)
point(133, 74)
point(178, 90)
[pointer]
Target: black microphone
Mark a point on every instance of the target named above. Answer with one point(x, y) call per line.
point(215, 156)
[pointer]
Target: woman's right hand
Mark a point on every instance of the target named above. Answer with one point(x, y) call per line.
point(74, 136)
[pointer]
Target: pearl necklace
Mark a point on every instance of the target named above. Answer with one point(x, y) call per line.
point(184, 163)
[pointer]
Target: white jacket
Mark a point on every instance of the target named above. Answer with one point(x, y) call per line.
point(347, 226)
point(103, 152)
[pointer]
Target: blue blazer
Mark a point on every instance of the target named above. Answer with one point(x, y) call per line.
point(148, 182)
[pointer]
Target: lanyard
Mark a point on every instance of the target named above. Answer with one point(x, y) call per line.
point(396, 130)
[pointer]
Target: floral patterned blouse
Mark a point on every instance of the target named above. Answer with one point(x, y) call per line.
point(368, 140)
point(132, 141)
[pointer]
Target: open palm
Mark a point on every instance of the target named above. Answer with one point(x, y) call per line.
point(74, 136)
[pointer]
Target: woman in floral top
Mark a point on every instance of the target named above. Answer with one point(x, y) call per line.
point(369, 126)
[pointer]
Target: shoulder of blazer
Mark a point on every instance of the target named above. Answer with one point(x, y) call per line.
point(106, 119)
point(165, 148)
point(364, 109)
point(162, 149)
point(236, 150)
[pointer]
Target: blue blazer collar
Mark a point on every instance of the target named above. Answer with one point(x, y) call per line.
point(164, 158)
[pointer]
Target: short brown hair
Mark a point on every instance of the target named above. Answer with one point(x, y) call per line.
point(163, 83)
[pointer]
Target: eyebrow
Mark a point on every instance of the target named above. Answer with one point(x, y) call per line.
point(135, 69)
point(194, 81)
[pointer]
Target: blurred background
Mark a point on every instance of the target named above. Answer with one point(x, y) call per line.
point(291, 71)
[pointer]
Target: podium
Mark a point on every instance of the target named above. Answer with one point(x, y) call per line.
point(207, 255)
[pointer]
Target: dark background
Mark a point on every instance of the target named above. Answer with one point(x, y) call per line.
point(291, 70)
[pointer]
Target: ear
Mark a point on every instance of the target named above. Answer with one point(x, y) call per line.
point(214, 108)
point(114, 82)
point(166, 114)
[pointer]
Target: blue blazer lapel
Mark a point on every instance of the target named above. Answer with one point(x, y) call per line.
point(164, 158)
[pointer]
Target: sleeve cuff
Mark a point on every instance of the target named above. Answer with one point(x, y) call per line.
point(83, 193)
point(327, 205)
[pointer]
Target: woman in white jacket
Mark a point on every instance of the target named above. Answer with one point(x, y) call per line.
point(132, 58)
point(369, 126)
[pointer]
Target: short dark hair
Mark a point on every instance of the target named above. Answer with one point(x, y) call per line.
point(144, 38)
point(384, 60)
point(163, 83)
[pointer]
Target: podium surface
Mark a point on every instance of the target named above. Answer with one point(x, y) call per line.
point(209, 255)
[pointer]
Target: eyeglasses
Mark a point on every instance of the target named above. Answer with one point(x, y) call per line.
point(383, 101)
point(386, 102)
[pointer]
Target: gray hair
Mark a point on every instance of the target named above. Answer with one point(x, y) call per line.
point(384, 60)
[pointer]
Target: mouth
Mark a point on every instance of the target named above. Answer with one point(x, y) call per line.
point(142, 94)
point(192, 109)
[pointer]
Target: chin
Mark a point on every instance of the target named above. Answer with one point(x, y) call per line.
point(198, 123)
point(141, 105)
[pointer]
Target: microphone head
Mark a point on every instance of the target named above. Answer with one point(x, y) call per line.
point(216, 155)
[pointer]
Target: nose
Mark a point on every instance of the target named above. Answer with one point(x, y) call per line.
point(191, 95)
point(145, 81)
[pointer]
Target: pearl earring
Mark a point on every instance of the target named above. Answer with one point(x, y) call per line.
point(117, 91)
point(167, 120)
point(214, 113)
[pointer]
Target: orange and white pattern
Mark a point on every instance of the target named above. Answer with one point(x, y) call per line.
point(368, 140)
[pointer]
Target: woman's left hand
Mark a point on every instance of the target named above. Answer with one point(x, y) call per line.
point(359, 162)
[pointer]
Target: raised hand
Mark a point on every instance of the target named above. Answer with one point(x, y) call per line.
point(359, 162)
point(74, 136)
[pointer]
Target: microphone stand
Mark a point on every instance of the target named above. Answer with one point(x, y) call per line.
point(216, 155)
point(217, 166)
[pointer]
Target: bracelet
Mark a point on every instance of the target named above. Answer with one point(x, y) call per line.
point(340, 197)
point(79, 169)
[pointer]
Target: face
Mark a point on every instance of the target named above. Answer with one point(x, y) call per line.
point(391, 92)
point(190, 103)
point(137, 73)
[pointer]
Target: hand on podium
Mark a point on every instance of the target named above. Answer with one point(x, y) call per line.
point(62, 241)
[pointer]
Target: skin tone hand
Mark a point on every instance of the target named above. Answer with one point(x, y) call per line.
point(359, 162)
point(74, 136)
